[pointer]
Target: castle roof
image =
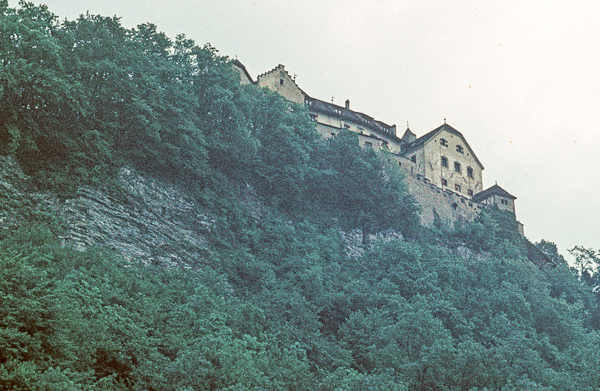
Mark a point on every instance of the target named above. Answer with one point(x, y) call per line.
point(409, 136)
point(421, 141)
point(238, 64)
point(349, 115)
point(494, 190)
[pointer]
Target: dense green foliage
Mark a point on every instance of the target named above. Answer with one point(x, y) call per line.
point(283, 305)
point(295, 313)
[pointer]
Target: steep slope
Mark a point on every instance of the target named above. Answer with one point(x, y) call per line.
point(173, 230)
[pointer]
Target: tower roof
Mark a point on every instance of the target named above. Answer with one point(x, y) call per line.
point(409, 136)
point(494, 190)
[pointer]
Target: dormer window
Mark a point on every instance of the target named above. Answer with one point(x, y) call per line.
point(444, 161)
point(443, 142)
point(457, 166)
point(469, 172)
point(460, 149)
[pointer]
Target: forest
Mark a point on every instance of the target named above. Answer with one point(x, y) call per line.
point(278, 302)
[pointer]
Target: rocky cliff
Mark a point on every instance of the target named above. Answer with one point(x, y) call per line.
point(140, 218)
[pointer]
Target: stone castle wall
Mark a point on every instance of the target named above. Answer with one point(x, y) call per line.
point(449, 206)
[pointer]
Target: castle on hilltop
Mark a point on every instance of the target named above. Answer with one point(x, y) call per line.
point(443, 172)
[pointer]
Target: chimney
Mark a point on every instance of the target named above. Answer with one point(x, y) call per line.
point(347, 104)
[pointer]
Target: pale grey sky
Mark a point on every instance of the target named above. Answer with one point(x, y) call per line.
point(519, 79)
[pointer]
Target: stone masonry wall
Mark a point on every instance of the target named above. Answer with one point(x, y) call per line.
point(449, 206)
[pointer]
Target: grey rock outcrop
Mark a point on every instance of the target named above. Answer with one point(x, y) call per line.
point(145, 219)
point(140, 218)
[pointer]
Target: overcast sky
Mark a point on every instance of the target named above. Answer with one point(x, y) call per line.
point(519, 79)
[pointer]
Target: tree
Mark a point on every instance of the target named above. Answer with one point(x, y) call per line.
point(362, 192)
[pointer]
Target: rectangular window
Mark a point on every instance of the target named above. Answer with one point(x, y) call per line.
point(457, 166)
point(280, 82)
point(470, 192)
point(443, 142)
point(444, 182)
point(414, 158)
point(460, 149)
point(503, 201)
point(457, 187)
point(368, 144)
point(469, 172)
point(444, 161)
point(332, 135)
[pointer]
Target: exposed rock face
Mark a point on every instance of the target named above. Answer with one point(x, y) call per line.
point(147, 220)
point(354, 241)
point(143, 219)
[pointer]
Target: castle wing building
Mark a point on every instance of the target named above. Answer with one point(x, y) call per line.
point(497, 196)
point(444, 157)
point(332, 118)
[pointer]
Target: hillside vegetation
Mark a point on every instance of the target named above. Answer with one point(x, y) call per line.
point(280, 303)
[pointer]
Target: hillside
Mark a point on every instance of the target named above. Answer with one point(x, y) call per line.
point(165, 228)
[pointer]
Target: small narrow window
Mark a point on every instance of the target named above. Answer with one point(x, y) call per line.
point(400, 164)
point(457, 187)
point(443, 142)
point(280, 82)
point(470, 192)
point(460, 149)
point(469, 172)
point(414, 158)
point(457, 166)
point(444, 161)
point(444, 182)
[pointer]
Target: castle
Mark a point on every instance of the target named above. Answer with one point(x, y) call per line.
point(443, 172)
